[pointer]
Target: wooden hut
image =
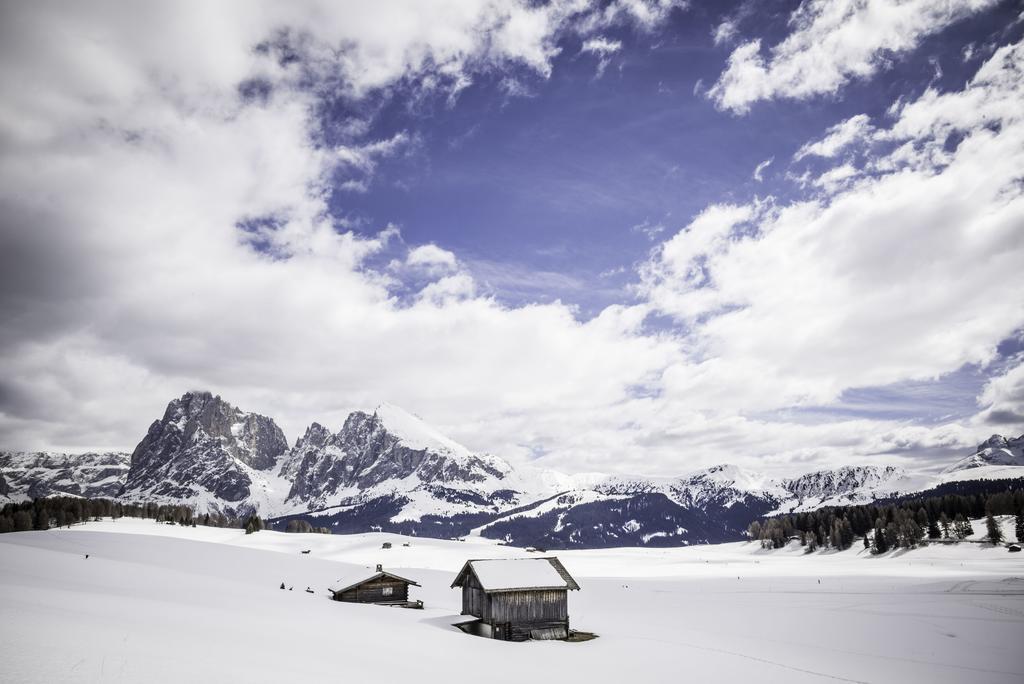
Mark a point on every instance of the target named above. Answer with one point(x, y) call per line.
point(373, 586)
point(517, 599)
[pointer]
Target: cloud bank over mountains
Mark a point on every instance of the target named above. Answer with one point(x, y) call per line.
point(170, 184)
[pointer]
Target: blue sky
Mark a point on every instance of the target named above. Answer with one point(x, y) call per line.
point(559, 193)
point(565, 180)
point(624, 235)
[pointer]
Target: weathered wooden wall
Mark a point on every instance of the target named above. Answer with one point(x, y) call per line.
point(474, 600)
point(529, 606)
point(374, 592)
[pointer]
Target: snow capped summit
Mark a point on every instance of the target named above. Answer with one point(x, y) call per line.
point(994, 451)
point(415, 434)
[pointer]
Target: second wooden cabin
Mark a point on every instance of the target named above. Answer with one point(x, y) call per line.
point(517, 599)
point(372, 586)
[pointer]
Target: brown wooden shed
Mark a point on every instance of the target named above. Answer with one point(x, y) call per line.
point(372, 586)
point(517, 599)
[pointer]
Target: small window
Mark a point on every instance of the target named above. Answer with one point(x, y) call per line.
point(388, 591)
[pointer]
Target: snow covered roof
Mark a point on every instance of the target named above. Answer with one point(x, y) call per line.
point(361, 575)
point(516, 574)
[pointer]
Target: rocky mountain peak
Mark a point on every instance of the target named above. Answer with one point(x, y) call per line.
point(387, 450)
point(200, 416)
point(993, 442)
point(316, 435)
point(204, 449)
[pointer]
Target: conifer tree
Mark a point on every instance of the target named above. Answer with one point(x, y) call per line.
point(880, 544)
point(995, 533)
point(22, 521)
point(1018, 525)
point(944, 523)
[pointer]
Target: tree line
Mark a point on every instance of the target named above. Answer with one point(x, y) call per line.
point(62, 511)
point(900, 524)
point(44, 513)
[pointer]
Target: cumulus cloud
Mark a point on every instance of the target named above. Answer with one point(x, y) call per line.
point(837, 138)
point(432, 258)
point(1003, 400)
point(881, 280)
point(832, 42)
point(725, 32)
point(165, 224)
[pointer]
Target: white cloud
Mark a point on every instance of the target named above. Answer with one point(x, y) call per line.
point(725, 33)
point(760, 169)
point(604, 49)
point(644, 14)
point(448, 289)
point(837, 138)
point(903, 274)
point(432, 257)
point(1003, 400)
point(836, 178)
point(601, 46)
point(173, 232)
point(833, 42)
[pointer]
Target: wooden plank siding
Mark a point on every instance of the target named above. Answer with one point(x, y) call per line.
point(524, 607)
point(474, 601)
point(375, 591)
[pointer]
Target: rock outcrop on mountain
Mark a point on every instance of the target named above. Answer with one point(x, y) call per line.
point(206, 453)
point(29, 475)
point(392, 453)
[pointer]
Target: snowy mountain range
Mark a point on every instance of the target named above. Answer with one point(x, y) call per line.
point(389, 470)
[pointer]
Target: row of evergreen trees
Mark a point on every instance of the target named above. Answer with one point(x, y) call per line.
point(304, 527)
point(255, 523)
point(61, 511)
point(903, 524)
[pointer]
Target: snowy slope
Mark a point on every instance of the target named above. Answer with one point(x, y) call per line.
point(417, 435)
point(729, 613)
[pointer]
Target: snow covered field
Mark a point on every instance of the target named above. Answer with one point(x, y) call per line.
point(156, 603)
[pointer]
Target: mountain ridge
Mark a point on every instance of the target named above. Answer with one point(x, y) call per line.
point(390, 470)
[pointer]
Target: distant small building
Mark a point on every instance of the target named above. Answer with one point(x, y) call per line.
point(517, 599)
point(1014, 548)
point(372, 586)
